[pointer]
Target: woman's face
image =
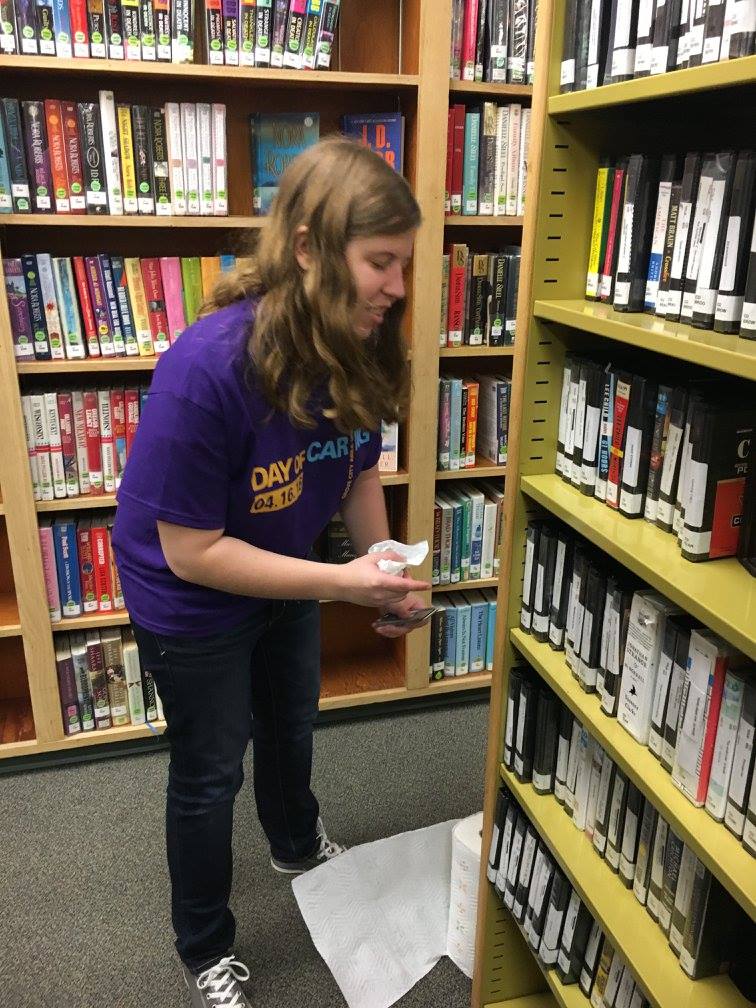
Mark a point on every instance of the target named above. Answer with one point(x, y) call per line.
point(377, 266)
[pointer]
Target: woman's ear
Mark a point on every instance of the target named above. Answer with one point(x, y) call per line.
point(302, 247)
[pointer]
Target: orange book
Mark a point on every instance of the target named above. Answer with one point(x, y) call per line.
point(211, 269)
point(57, 147)
point(471, 429)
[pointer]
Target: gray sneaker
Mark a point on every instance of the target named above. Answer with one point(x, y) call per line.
point(325, 849)
point(217, 986)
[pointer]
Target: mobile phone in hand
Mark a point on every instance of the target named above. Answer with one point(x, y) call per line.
point(418, 617)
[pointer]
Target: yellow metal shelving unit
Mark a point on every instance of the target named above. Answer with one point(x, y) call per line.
point(700, 108)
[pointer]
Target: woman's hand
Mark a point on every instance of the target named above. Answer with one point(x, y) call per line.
point(363, 583)
point(404, 609)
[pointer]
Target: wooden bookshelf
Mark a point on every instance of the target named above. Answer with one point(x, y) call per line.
point(477, 351)
point(483, 467)
point(569, 134)
point(458, 220)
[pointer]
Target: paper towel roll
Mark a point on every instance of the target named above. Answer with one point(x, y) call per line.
point(463, 904)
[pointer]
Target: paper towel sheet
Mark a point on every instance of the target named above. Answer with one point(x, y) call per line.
point(379, 913)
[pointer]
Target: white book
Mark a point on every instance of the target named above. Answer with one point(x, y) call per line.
point(133, 674)
point(476, 529)
point(645, 635)
point(175, 158)
point(56, 451)
point(65, 292)
point(388, 462)
point(80, 437)
point(704, 299)
point(219, 155)
point(582, 779)
point(737, 796)
point(205, 154)
point(525, 874)
point(597, 770)
point(724, 746)
point(111, 152)
point(42, 446)
point(26, 409)
point(513, 157)
point(522, 173)
point(50, 301)
point(656, 881)
point(572, 767)
point(490, 509)
point(106, 440)
point(502, 161)
point(191, 158)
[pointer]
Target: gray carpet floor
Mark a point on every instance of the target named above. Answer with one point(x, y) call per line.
point(84, 914)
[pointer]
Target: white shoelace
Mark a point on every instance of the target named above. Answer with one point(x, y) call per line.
point(328, 848)
point(221, 979)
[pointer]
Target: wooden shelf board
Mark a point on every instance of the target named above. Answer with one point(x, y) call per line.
point(115, 221)
point(90, 364)
point(223, 75)
point(731, 354)
point(9, 621)
point(476, 351)
point(467, 585)
point(16, 724)
point(473, 680)
point(459, 220)
point(721, 593)
point(359, 675)
point(720, 851)
point(399, 478)
point(77, 503)
point(482, 467)
point(490, 88)
point(622, 917)
point(93, 622)
point(730, 73)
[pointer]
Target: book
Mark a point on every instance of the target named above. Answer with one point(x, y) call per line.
point(732, 277)
point(278, 138)
point(724, 746)
point(383, 133)
point(37, 156)
point(636, 233)
point(742, 764)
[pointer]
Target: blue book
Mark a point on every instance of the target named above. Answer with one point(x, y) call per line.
point(62, 28)
point(227, 263)
point(462, 649)
point(478, 630)
point(459, 496)
point(383, 133)
point(124, 307)
point(6, 194)
point(143, 396)
point(502, 419)
point(491, 597)
point(115, 315)
point(276, 138)
point(455, 564)
point(36, 305)
point(470, 164)
point(455, 423)
point(450, 639)
point(67, 564)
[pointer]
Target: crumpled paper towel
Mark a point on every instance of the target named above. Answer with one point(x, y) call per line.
point(379, 914)
point(413, 555)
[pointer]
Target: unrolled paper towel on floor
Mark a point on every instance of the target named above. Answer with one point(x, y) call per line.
point(382, 914)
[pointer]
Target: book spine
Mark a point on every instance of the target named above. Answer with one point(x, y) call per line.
point(131, 400)
point(230, 32)
point(100, 305)
point(327, 34)
point(147, 27)
point(132, 29)
point(94, 452)
point(114, 29)
point(191, 158)
point(86, 568)
point(73, 158)
point(470, 169)
point(97, 29)
point(310, 40)
point(153, 289)
point(119, 348)
point(80, 439)
point(292, 55)
point(177, 182)
point(139, 307)
point(110, 151)
point(95, 185)
point(182, 31)
point(107, 444)
point(17, 167)
point(36, 307)
point(67, 564)
point(68, 443)
point(37, 156)
point(161, 12)
point(67, 304)
point(28, 31)
point(79, 28)
point(143, 158)
point(58, 169)
point(90, 335)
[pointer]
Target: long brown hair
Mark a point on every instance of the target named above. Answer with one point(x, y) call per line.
point(303, 337)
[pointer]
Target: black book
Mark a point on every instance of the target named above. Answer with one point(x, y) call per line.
point(630, 835)
point(668, 173)
point(513, 704)
point(147, 20)
point(594, 397)
point(664, 45)
point(496, 305)
point(38, 156)
point(713, 30)
point(114, 19)
point(644, 38)
point(598, 43)
point(575, 933)
point(683, 892)
point(530, 55)
point(673, 853)
point(503, 799)
point(656, 875)
point(616, 824)
point(477, 299)
point(560, 589)
point(93, 161)
point(606, 633)
point(544, 576)
point(664, 676)
point(747, 540)
point(579, 425)
point(621, 604)
point(683, 625)
point(720, 434)
point(679, 36)
point(548, 950)
point(518, 42)
point(623, 30)
point(564, 736)
point(635, 237)
point(515, 855)
point(683, 235)
point(590, 642)
point(711, 173)
point(143, 158)
point(547, 730)
point(742, 38)
point(538, 907)
point(711, 927)
point(510, 313)
point(670, 472)
point(639, 432)
point(98, 32)
point(732, 276)
point(573, 767)
point(510, 822)
point(603, 805)
point(529, 578)
point(480, 41)
point(498, 36)
point(665, 272)
point(570, 417)
point(581, 44)
point(713, 247)
point(576, 611)
point(524, 748)
point(525, 874)
point(658, 450)
point(591, 958)
point(35, 302)
point(438, 634)
point(748, 319)
point(696, 32)
point(160, 164)
point(608, 387)
point(19, 173)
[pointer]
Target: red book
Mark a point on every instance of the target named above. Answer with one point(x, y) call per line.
point(118, 420)
point(469, 38)
point(606, 283)
point(153, 290)
point(131, 397)
point(449, 159)
point(118, 599)
point(617, 450)
point(68, 443)
point(79, 29)
point(458, 256)
point(458, 157)
point(102, 567)
point(57, 145)
point(74, 164)
point(86, 566)
point(87, 310)
point(712, 723)
point(472, 421)
point(94, 454)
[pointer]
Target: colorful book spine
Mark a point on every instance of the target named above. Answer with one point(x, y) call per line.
point(68, 443)
point(47, 549)
point(162, 16)
point(160, 165)
point(170, 274)
point(119, 347)
point(58, 169)
point(219, 167)
point(36, 307)
point(177, 182)
point(37, 156)
point(278, 32)
point(230, 10)
point(107, 443)
point(132, 29)
point(121, 289)
point(89, 323)
point(94, 454)
point(98, 295)
point(18, 307)
point(67, 564)
point(79, 28)
point(86, 566)
point(153, 289)
point(80, 438)
point(263, 32)
point(26, 21)
point(214, 32)
point(62, 27)
point(310, 43)
point(292, 56)
point(50, 303)
point(247, 15)
point(65, 289)
point(139, 307)
point(114, 23)
point(74, 167)
point(327, 34)
point(97, 29)
point(95, 184)
point(110, 148)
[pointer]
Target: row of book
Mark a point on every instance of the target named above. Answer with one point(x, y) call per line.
point(486, 160)
point(672, 236)
point(101, 683)
point(81, 577)
point(104, 306)
point(468, 530)
point(674, 685)
point(556, 923)
point(104, 157)
point(676, 455)
point(550, 749)
point(607, 41)
point(479, 296)
point(298, 34)
point(79, 440)
point(462, 634)
point(493, 40)
point(473, 420)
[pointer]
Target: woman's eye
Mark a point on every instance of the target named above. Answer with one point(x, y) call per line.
point(378, 265)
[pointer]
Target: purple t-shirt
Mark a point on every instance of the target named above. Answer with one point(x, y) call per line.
point(210, 453)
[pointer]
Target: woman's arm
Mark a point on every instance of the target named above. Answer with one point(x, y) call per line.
point(364, 511)
point(215, 560)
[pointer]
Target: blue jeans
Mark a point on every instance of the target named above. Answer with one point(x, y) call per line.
point(260, 680)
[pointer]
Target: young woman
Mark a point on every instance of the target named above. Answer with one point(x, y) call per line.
point(262, 421)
